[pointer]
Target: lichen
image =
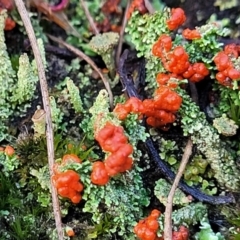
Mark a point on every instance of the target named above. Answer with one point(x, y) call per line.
point(208, 142)
point(39, 122)
point(225, 125)
point(57, 114)
point(149, 28)
point(162, 189)
point(7, 77)
point(190, 214)
point(103, 44)
point(26, 85)
point(17, 89)
point(74, 96)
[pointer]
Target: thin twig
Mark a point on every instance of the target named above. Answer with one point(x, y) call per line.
point(45, 98)
point(149, 6)
point(168, 211)
point(80, 54)
point(89, 17)
point(129, 86)
point(120, 42)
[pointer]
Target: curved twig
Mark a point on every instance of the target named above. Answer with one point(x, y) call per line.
point(45, 97)
point(80, 54)
point(120, 42)
point(89, 17)
point(162, 165)
point(168, 210)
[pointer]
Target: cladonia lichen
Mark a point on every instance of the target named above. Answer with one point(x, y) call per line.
point(17, 88)
point(208, 142)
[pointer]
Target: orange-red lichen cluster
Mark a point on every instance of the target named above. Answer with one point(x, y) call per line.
point(138, 5)
point(176, 19)
point(191, 34)
point(8, 150)
point(159, 111)
point(146, 229)
point(227, 72)
point(8, 5)
point(176, 60)
point(68, 183)
point(112, 140)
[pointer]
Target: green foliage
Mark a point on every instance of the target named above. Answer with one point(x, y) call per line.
point(25, 86)
point(167, 148)
point(57, 114)
point(225, 125)
point(208, 142)
point(207, 46)
point(20, 217)
point(145, 30)
point(206, 232)
point(100, 114)
point(80, 22)
point(162, 189)
point(135, 130)
point(153, 66)
point(228, 103)
point(121, 201)
point(43, 178)
point(196, 167)
point(74, 96)
point(8, 163)
point(223, 5)
point(16, 91)
point(190, 214)
point(196, 173)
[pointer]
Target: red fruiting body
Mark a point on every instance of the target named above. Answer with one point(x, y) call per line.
point(177, 18)
point(182, 234)
point(146, 229)
point(68, 185)
point(164, 43)
point(191, 34)
point(166, 99)
point(9, 150)
point(99, 175)
point(112, 139)
point(138, 5)
point(224, 62)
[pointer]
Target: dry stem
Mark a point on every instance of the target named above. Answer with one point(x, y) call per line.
point(124, 23)
point(80, 54)
point(149, 6)
point(168, 211)
point(89, 17)
point(45, 97)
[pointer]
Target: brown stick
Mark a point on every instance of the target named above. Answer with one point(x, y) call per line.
point(149, 6)
point(120, 42)
point(89, 17)
point(168, 211)
point(45, 98)
point(80, 54)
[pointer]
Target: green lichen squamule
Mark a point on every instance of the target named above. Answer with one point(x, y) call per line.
point(17, 90)
point(26, 84)
point(7, 77)
point(103, 44)
point(74, 96)
point(57, 115)
point(225, 125)
point(162, 189)
point(208, 142)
